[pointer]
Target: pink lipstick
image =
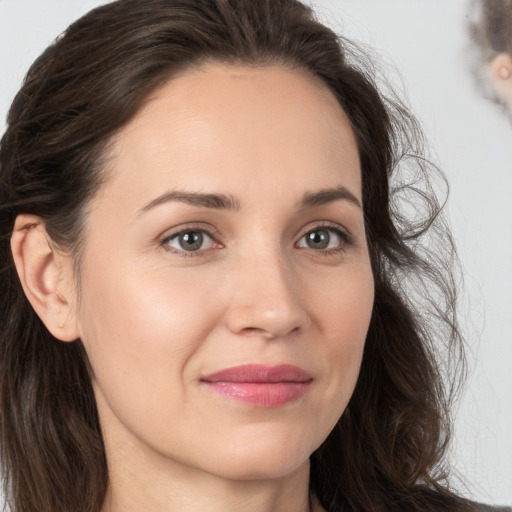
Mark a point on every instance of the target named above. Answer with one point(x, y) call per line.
point(260, 385)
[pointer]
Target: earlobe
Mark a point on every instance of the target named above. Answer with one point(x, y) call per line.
point(41, 272)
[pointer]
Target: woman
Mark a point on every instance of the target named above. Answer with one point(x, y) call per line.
point(204, 268)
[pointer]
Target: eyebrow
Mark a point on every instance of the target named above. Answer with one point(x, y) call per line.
point(228, 202)
point(214, 201)
point(328, 195)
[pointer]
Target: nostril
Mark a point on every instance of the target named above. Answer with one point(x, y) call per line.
point(256, 331)
point(268, 334)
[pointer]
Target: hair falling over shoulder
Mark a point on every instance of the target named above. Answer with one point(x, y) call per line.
point(386, 453)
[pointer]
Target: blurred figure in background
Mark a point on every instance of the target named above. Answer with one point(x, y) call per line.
point(491, 30)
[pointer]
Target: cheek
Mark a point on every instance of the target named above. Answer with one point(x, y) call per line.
point(343, 312)
point(140, 328)
point(145, 305)
point(343, 304)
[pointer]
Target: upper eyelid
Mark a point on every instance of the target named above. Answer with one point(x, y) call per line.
point(171, 233)
point(325, 225)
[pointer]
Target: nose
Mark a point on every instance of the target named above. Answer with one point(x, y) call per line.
point(266, 298)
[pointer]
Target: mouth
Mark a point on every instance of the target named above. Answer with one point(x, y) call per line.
point(260, 385)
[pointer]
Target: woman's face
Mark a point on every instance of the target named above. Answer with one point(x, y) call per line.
point(226, 283)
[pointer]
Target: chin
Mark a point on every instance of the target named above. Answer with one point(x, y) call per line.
point(262, 459)
point(257, 469)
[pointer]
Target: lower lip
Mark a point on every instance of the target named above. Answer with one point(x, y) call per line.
point(261, 394)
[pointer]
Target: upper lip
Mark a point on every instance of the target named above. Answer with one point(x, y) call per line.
point(257, 373)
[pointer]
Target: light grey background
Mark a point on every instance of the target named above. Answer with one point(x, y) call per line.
point(427, 43)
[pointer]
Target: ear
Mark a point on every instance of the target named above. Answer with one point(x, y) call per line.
point(501, 69)
point(500, 75)
point(46, 276)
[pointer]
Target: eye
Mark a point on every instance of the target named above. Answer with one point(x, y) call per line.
point(323, 239)
point(189, 241)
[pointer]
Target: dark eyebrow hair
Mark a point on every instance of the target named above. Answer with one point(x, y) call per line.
point(228, 202)
point(328, 195)
point(215, 201)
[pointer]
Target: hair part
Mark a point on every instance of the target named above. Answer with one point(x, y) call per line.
point(386, 452)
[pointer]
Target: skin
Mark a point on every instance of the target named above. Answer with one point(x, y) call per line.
point(155, 318)
point(499, 72)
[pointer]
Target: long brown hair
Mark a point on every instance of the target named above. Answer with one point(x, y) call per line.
point(386, 452)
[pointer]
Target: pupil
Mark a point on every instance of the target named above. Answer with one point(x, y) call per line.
point(191, 241)
point(318, 239)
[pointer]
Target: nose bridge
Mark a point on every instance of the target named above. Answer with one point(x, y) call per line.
point(266, 297)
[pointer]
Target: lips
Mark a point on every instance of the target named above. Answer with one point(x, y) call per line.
point(260, 385)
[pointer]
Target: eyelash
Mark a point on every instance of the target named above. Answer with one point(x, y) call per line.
point(345, 239)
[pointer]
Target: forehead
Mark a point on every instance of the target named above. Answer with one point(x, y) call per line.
point(241, 128)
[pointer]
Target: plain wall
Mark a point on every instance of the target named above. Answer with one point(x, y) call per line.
point(427, 43)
